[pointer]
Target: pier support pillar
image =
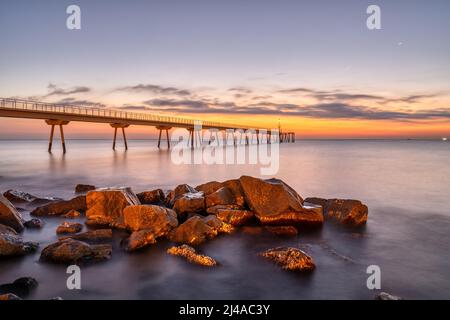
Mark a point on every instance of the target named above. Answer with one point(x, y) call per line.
point(53, 123)
point(165, 128)
point(121, 126)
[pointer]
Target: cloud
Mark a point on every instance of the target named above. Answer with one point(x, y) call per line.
point(155, 89)
point(80, 102)
point(55, 90)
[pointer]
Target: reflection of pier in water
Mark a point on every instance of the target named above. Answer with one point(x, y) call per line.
point(61, 115)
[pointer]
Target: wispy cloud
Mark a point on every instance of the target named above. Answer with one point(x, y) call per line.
point(54, 90)
point(155, 89)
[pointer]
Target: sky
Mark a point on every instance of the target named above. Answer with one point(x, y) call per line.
point(312, 66)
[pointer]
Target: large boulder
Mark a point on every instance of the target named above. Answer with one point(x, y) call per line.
point(74, 251)
point(234, 185)
point(9, 296)
point(350, 212)
point(235, 217)
point(209, 187)
point(191, 255)
point(152, 197)
point(139, 239)
point(177, 193)
point(106, 205)
point(198, 229)
point(20, 287)
point(276, 203)
point(61, 207)
point(11, 244)
point(158, 220)
point(9, 216)
point(222, 196)
point(189, 203)
point(291, 259)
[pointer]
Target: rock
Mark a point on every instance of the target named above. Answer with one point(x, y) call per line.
point(351, 212)
point(158, 220)
point(140, 239)
point(177, 193)
point(69, 227)
point(386, 296)
point(20, 287)
point(198, 229)
point(192, 256)
point(215, 209)
point(252, 230)
point(60, 207)
point(17, 196)
point(9, 296)
point(13, 245)
point(34, 224)
point(284, 231)
point(98, 222)
point(75, 251)
point(9, 216)
point(72, 214)
point(152, 197)
point(275, 203)
point(56, 298)
point(189, 203)
point(234, 185)
point(292, 259)
point(106, 205)
point(235, 217)
point(209, 187)
point(7, 230)
point(222, 196)
point(91, 235)
point(83, 188)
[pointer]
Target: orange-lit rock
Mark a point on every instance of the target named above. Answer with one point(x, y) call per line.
point(222, 196)
point(9, 296)
point(72, 214)
point(156, 219)
point(177, 193)
point(291, 259)
point(60, 207)
point(351, 212)
point(11, 244)
point(9, 216)
point(276, 203)
point(69, 227)
point(235, 217)
point(209, 187)
point(108, 204)
point(139, 239)
point(151, 197)
point(74, 251)
point(234, 185)
point(192, 256)
point(189, 203)
point(90, 235)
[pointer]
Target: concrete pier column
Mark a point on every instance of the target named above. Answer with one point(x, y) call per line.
point(121, 126)
point(53, 123)
point(165, 128)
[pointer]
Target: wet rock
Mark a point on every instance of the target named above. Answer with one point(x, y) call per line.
point(351, 212)
point(189, 203)
point(158, 220)
point(192, 256)
point(234, 185)
point(91, 235)
point(215, 209)
point(9, 296)
point(13, 245)
point(291, 259)
point(198, 229)
point(386, 296)
point(20, 287)
point(222, 196)
point(83, 188)
point(75, 251)
point(177, 193)
point(16, 196)
point(139, 239)
point(276, 203)
point(152, 197)
point(69, 227)
point(106, 205)
point(60, 207)
point(209, 187)
point(9, 216)
point(235, 217)
point(72, 214)
point(98, 222)
point(7, 230)
point(283, 231)
point(34, 224)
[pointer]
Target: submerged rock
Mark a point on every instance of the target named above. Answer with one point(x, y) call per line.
point(60, 207)
point(276, 203)
point(34, 223)
point(291, 259)
point(235, 217)
point(75, 251)
point(386, 296)
point(20, 287)
point(12, 244)
point(198, 229)
point(189, 203)
point(139, 239)
point(69, 227)
point(106, 205)
point(152, 197)
point(82, 188)
point(192, 256)
point(283, 231)
point(9, 216)
point(346, 211)
point(158, 220)
point(91, 235)
point(72, 214)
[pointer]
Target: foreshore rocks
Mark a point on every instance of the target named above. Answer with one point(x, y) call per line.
point(276, 203)
point(139, 239)
point(90, 235)
point(235, 217)
point(9, 216)
point(11, 244)
point(9, 296)
point(72, 214)
point(75, 251)
point(282, 231)
point(69, 227)
point(20, 197)
point(387, 296)
point(152, 197)
point(34, 224)
point(291, 259)
point(105, 206)
point(177, 193)
point(20, 287)
point(57, 208)
point(83, 188)
point(192, 256)
point(189, 204)
point(350, 212)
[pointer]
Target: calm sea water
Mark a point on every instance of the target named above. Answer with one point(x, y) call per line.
point(406, 185)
